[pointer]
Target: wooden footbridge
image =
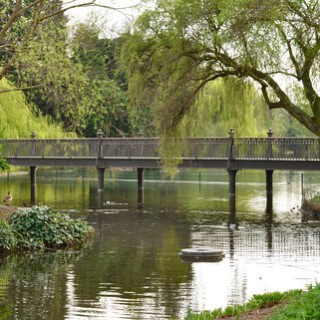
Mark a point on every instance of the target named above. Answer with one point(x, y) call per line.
point(230, 153)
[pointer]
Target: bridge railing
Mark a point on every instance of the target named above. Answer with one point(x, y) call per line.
point(124, 148)
point(202, 148)
point(293, 149)
point(206, 148)
point(49, 148)
point(110, 148)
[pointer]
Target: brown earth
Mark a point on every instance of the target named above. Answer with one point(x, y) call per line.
point(260, 314)
point(6, 211)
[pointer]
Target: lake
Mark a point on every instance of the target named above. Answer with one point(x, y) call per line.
point(132, 269)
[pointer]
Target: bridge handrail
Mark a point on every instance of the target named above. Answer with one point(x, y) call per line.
point(271, 148)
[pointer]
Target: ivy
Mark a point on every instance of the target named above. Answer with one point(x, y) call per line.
point(7, 237)
point(42, 227)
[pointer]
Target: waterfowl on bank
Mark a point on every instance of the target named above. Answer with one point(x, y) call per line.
point(8, 198)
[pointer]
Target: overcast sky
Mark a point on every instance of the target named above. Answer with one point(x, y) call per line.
point(113, 19)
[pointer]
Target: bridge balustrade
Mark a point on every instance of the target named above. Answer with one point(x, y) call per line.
point(292, 149)
point(122, 148)
point(206, 148)
point(49, 148)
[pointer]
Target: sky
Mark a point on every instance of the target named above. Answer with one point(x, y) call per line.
point(114, 20)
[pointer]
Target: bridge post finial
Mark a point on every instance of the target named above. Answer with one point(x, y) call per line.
point(231, 133)
point(99, 141)
point(100, 134)
point(33, 135)
point(231, 146)
point(269, 144)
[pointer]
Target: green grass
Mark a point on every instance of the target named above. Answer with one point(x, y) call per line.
point(296, 304)
point(303, 305)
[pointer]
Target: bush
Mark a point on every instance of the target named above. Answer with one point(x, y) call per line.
point(7, 237)
point(44, 227)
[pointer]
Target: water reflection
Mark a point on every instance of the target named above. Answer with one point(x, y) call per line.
point(132, 270)
point(33, 285)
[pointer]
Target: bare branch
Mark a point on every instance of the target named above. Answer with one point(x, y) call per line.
point(92, 4)
point(21, 89)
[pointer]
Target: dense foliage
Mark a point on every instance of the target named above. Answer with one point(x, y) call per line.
point(42, 227)
point(178, 47)
point(68, 76)
point(8, 239)
point(108, 108)
point(192, 68)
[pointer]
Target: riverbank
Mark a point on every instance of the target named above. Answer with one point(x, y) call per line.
point(290, 305)
point(259, 314)
point(6, 211)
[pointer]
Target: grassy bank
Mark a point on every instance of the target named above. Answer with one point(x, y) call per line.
point(294, 304)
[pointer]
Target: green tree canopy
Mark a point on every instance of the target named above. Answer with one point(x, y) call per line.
point(178, 47)
point(36, 54)
point(107, 109)
point(21, 19)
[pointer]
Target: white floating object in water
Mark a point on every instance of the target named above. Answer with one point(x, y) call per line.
point(201, 254)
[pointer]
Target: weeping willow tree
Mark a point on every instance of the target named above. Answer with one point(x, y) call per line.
point(212, 116)
point(177, 47)
point(18, 119)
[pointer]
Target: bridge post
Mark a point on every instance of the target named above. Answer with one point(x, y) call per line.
point(269, 176)
point(33, 183)
point(100, 170)
point(231, 146)
point(269, 187)
point(140, 187)
point(33, 179)
point(33, 136)
point(269, 144)
point(232, 196)
point(100, 186)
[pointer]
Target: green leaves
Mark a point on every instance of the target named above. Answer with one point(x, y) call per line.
point(11, 126)
point(43, 227)
point(7, 237)
point(180, 46)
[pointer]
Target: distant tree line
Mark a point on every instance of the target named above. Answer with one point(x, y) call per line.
point(68, 75)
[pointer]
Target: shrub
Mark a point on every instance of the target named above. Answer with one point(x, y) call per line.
point(7, 237)
point(44, 227)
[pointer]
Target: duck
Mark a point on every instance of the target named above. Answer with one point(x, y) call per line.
point(8, 198)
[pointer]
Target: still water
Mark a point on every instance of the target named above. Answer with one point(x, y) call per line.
point(132, 270)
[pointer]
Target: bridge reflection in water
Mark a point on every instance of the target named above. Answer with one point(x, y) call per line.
point(228, 153)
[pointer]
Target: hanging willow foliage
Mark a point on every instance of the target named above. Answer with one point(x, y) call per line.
point(219, 106)
point(224, 104)
point(17, 119)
